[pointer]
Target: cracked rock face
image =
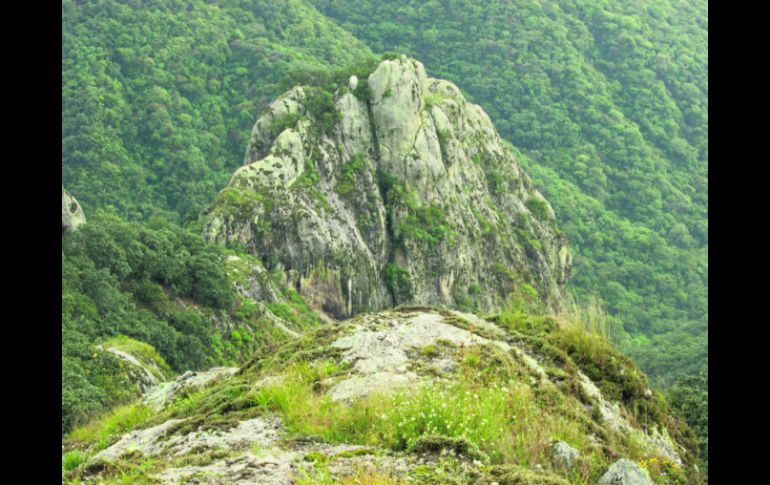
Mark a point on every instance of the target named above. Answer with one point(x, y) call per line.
point(409, 197)
point(378, 350)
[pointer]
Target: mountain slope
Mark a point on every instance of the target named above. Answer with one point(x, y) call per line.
point(158, 96)
point(142, 302)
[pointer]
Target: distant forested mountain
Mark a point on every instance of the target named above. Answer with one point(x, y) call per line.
point(159, 96)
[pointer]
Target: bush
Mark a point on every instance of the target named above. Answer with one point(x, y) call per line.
point(399, 282)
point(539, 208)
point(278, 125)
point(347, 183)
point(320, 106)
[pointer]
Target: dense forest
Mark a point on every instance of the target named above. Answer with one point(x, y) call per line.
point(604, 102)
point(158, 291)
point(159, 97)
point(120, 279)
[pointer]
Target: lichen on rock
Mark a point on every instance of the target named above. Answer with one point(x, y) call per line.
point(408, 196)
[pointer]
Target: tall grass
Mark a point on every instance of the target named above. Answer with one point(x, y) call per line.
point(116, 422)
point(504, 420)
point(72, 460)
point(588, 316)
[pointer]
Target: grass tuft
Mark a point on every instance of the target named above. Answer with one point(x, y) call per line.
point(116, 422)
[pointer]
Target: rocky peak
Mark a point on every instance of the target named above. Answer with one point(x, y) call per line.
point(393, 189)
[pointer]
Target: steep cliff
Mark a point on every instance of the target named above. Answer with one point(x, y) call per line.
point(390, 190)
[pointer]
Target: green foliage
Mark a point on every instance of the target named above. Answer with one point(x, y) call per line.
point(141, 351)
point(399, 282)
point(608, 102)
point(320, 106)
point(539, 208)
point(429, 351)
point(431, 100)
point(158, 103)
point(393, 191)
point(496, 182)
point(426, 225)
point(614, 373)
point(287, 121)
point(116, 422)
point(121, 283)
point(72, 460)
point(690, 397)
point(309, 177)
point(350, 172)
point(514, 474)
point(472, 415)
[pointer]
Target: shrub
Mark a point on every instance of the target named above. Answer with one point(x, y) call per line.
point(399, 282)
point(278, 125)
point(539, 208)
point(320, 106)
point(72, 460)
point(350, 171)
point(425, 225)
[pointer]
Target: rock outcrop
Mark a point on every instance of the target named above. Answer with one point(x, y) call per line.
point(232, 425)
point(625, 472)
point(72, 214)
point(393, 189)
point(563, 456)
point(162, 394)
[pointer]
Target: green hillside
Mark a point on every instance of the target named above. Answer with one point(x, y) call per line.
point(608, 102)
point(162, 295)
point(159, 97)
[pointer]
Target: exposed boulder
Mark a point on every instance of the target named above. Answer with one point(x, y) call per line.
point(406, 196)
point(164, 393)
point(72, 214)
point(563, 456)
point(625, 472)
